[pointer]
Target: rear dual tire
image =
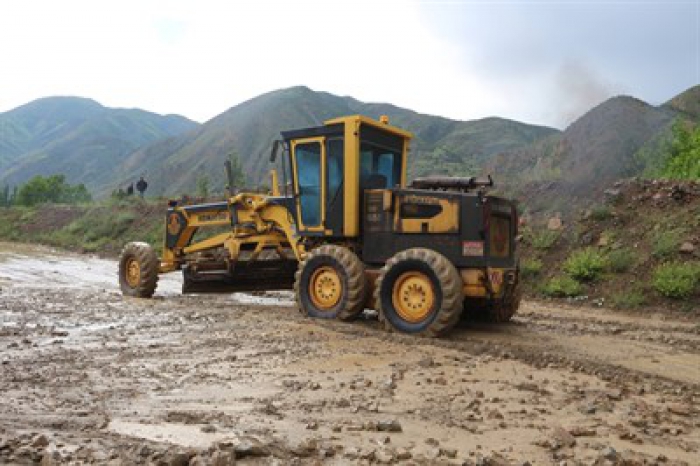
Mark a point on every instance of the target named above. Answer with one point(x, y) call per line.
point(419, 291)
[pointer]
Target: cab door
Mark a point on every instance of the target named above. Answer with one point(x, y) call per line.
point(309, 163)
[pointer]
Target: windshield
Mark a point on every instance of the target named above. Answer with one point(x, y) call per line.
point(379, 167)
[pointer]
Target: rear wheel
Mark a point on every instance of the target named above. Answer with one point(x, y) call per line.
point(330, 284)
point(138, 270)
point(504, 309)
point(419, 291)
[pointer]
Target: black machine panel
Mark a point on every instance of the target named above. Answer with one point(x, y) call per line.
point(468, 247)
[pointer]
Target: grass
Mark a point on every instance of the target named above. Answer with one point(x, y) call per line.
point(100, 227)
point(530, 268)
point(601, 213)
point(585, 265)
point(665, 244)
point(621, 260)
point(543, 239)
point(562, 287)
point(676, 280)
point(628, 299)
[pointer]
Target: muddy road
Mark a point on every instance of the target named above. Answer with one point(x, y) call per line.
point(88, 377)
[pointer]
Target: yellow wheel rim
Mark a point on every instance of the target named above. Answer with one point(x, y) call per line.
point(133, 272)
point(325, 288)
point(413, 297)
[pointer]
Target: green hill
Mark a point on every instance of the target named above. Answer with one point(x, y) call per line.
point(248, 129)
point(622, 137)
point(77, 137)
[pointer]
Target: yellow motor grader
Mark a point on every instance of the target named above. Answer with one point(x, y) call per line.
point(346, 232)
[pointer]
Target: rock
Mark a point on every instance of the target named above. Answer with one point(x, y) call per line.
point(389, 426)
point(555, 224)
point(432, 453)
point(441, 381)
point(449, 452)
point(208, 429)
point(305, 448)
point(177, 458)
point(426, 361)
point(47, 460)
point(603, 241)
point(384, 456)
point(680, 410)
point(249, 446)
point(432, 442)
point(313, 425)
point(403, 454)
point(40, 441)
point(687, 248)
point(612, 194)
point(563, 437)
point(352, 453)
point(579, 431)
point(609, 453)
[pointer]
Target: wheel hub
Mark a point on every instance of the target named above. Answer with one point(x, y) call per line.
point(413, 296)
point(133, 272)
point(325, 288)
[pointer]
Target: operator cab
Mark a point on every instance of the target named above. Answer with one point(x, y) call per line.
point(331, 166)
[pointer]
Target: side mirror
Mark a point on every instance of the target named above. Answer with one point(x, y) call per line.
point(275, 148)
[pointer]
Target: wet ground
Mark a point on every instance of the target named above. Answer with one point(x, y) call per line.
point(89, 377)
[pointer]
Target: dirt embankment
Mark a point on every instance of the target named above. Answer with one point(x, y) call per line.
point(616, 249)
point(90, 377)
point(101, 228)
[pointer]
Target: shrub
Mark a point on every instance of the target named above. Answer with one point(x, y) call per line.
point(621, 260)
point(676, 280)
point(585, 265)
point(562, 287)
point(628, 299)
point(665, 243)
point(530, 268)
point(52, 188)
point(601, 213)
point(543, 239)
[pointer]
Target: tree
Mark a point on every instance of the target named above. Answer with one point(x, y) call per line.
point(682, 160)
point(5, 196)
point(52, 188)
point(203, 185)
point(239, 178)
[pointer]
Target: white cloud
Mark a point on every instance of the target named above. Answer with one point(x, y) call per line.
point(201, 58)
point(458, 59)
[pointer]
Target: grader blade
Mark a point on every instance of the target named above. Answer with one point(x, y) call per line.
point(246, 276)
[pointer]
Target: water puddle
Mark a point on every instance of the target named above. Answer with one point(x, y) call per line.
point(36, 267)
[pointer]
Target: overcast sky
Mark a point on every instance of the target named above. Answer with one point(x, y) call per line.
point(541, 61)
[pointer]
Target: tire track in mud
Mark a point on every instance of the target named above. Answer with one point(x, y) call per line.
point(547, 341)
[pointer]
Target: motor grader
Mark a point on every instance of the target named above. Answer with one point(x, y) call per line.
point(347, 233)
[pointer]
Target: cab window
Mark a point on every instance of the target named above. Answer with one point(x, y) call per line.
point(379, 167)
point(308, 158)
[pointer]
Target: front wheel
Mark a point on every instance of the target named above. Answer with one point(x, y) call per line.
point(419, 291)
point(138, 270)
point(330, 284)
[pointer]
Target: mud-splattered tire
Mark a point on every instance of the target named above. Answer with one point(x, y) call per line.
point(419, 291)
point(505, 309)
point(138, 270)
point(330, 284)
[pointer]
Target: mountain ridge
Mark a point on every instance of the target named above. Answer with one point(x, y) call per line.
point(76, 136)
point(109, 148)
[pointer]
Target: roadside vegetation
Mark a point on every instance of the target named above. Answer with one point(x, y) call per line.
point(638, 249)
